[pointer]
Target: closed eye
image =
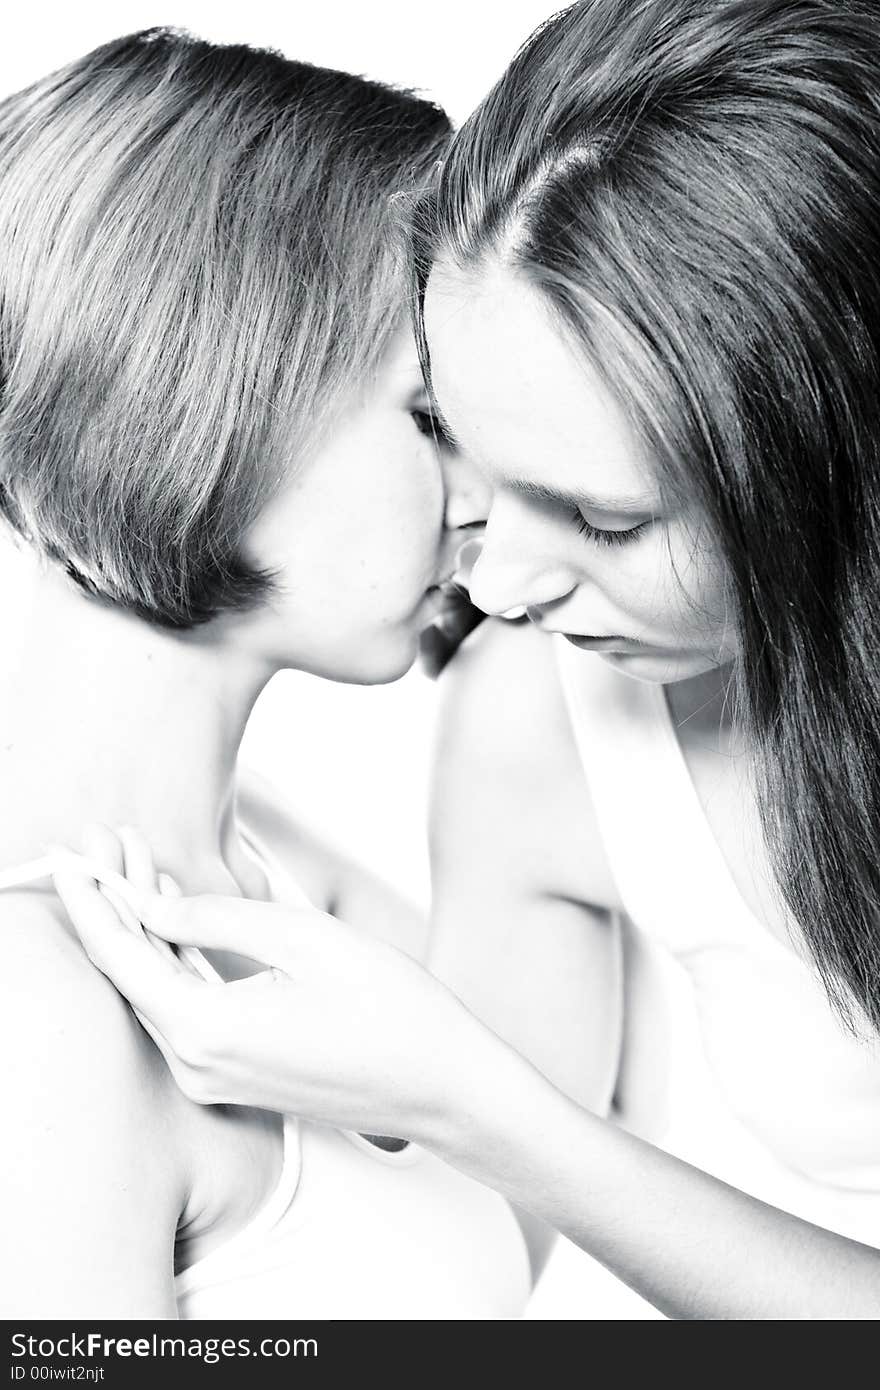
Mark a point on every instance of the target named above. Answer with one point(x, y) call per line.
point(603, 537)
point(428, 424)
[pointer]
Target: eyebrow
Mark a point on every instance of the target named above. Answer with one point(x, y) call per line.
point(634, 502)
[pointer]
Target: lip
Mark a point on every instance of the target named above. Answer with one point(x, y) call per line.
point(449, 585)
point(604, 644)
point(443, 595)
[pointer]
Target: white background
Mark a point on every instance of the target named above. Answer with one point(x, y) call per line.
point(354, 761)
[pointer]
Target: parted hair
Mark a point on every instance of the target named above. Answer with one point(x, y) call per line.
point(199, 257)
point(694, 186)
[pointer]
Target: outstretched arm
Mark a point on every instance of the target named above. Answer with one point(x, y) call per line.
point(693, 1246)
point(353, 1033)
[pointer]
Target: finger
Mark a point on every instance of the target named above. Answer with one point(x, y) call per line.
point(110, 850)
point(91, 911)
point(167, 950)
point(140, 870)
point(150, 982)
point(180, 959)
point(170, 888)
point(139, 867)
point(260, 931)
point(117, 889)
point(103, 847)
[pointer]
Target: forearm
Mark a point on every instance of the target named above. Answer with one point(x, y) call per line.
point(373, 906)
point(693, 1246)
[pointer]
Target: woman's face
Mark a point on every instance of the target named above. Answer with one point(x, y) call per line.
point(576, 531)
point(357, 537)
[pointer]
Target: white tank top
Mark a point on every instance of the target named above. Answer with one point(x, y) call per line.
point(351, 1231)
point(764, 1087)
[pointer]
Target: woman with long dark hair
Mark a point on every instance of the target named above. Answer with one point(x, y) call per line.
point(650, 302)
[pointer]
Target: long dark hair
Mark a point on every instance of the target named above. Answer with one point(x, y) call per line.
point(696, 185)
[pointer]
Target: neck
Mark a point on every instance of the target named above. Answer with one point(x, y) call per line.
point(702, 708)
point(104, 717)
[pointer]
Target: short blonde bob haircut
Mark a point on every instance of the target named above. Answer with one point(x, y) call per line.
point(198, 260)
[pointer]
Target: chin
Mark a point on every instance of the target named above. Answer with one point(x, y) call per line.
point(378, 661)
point(659, 668)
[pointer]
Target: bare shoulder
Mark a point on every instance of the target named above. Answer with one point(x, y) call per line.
point(508, 779)
point(92, 1181)
point(65, 1012)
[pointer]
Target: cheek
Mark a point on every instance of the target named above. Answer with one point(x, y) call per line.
point(399, 522)
point(669, 584)
point(416, 500)
point(695, 588)
point(359, 530)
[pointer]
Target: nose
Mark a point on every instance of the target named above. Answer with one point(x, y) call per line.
point(468, 497)
point(516, 571)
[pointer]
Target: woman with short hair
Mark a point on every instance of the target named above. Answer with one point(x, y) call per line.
point(216, 462)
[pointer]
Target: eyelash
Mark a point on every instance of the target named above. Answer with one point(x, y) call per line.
point(600, 537)
point(429, 426)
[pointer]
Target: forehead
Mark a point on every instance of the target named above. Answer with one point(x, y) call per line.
point(516, 392)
